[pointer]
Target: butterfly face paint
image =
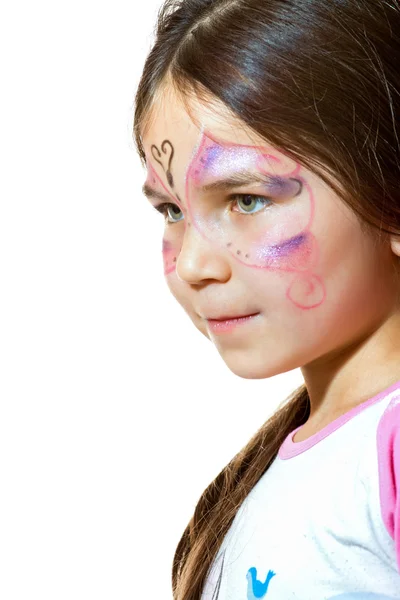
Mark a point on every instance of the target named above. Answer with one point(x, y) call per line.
point(266, 229)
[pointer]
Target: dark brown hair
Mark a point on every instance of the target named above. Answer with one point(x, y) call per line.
point(320, 81)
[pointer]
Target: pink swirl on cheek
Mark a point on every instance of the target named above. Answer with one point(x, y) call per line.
point(307, 291)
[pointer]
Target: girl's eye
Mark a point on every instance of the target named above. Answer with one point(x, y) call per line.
point(169, 210)
point(249, 201)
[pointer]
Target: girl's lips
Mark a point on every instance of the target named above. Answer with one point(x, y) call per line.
point(225, 325)
point(232, 318)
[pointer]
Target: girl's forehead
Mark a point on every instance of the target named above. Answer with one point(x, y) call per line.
point(171, 121)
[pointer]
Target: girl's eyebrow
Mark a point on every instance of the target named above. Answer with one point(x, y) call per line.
point(228, 183)
point(242, 178)
point(150, 194)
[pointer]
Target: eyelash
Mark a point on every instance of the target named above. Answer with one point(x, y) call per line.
point(162, 208)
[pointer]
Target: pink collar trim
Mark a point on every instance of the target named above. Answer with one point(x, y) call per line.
point(289, 448)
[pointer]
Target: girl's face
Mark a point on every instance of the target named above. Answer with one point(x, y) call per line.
point(249, 231)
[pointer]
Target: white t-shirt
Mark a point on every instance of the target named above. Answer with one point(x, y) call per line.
point(323, 522)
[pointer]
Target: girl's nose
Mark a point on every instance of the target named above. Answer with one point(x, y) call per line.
point(200, 259)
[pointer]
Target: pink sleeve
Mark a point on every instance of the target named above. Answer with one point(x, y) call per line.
point(388, 441)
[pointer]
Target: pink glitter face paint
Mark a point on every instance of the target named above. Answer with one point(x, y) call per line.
point(277, 235)
point(274, 237)
point(260, 238)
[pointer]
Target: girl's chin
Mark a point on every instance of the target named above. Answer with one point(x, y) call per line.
point(252, 373)
point(250, 370)
point(249, 364)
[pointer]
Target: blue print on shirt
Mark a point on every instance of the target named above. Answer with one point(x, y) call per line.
point(256, 588)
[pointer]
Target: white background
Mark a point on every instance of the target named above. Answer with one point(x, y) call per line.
point(116, 412)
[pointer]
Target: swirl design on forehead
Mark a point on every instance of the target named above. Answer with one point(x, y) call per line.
point(168, 155)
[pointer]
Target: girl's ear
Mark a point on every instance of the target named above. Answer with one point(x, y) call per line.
point(395, 244)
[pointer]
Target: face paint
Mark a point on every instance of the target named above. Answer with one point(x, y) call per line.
point(276, 236)
point(173, 235)
point(273, 236)
point(165, 159)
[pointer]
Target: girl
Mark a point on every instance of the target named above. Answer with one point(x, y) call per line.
point(268, 129)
